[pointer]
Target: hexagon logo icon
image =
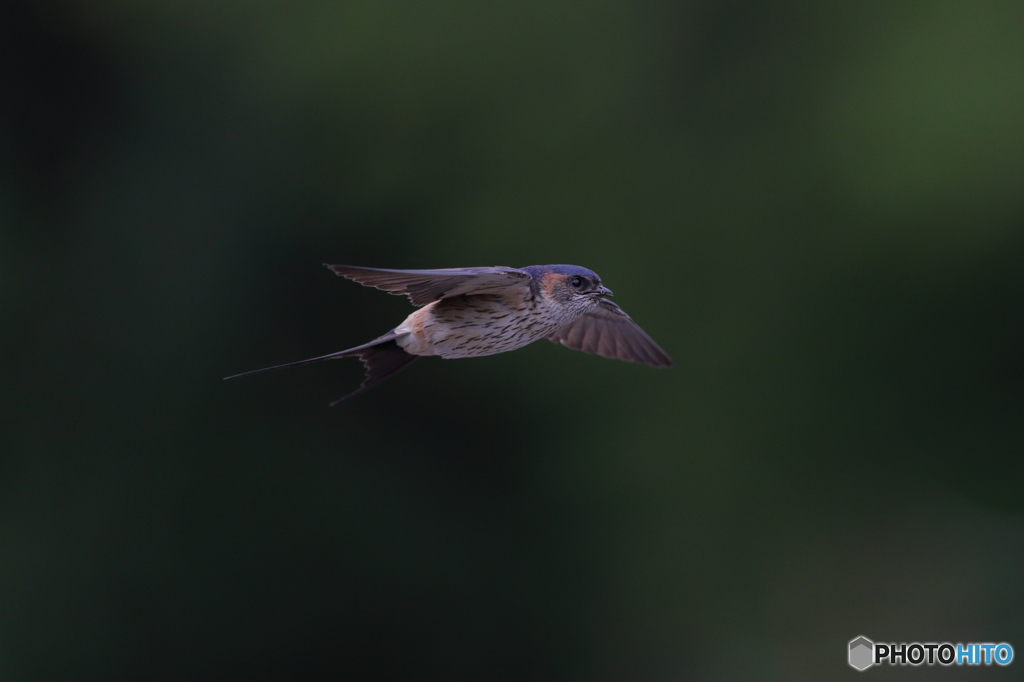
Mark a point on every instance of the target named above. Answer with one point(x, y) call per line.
point(862, 653)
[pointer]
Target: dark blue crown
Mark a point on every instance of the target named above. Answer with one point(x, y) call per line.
point(538, 271)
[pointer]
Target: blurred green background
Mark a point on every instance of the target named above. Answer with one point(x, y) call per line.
point(816, 208)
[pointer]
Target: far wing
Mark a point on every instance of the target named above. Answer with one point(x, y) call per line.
point(424, 286)
point(608, 331)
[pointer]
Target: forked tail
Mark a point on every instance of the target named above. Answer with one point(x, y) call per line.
point(381, 361)
point(382, 358)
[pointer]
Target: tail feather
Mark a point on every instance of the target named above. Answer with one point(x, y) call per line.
point(381, 361)
point(347, 353)
point(382, 357)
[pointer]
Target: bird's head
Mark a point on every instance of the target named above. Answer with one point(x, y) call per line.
point(569, 285)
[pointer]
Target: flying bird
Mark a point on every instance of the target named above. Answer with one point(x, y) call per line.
point(470, 312)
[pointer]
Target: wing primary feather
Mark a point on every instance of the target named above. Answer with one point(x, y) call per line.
point(609, 332)
point(425, 286)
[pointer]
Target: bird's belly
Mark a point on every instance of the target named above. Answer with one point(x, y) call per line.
point(472, 326)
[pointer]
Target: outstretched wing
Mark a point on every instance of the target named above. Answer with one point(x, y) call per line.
point(424, 286)
point(608, 331)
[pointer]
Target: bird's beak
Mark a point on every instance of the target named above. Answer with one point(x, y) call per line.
point(604, 291)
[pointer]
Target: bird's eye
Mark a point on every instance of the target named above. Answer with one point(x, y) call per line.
point(576, 282)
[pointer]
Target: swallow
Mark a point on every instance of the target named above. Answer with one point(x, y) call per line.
point(472, 312)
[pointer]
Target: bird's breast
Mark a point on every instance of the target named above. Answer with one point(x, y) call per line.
point(471, 326)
